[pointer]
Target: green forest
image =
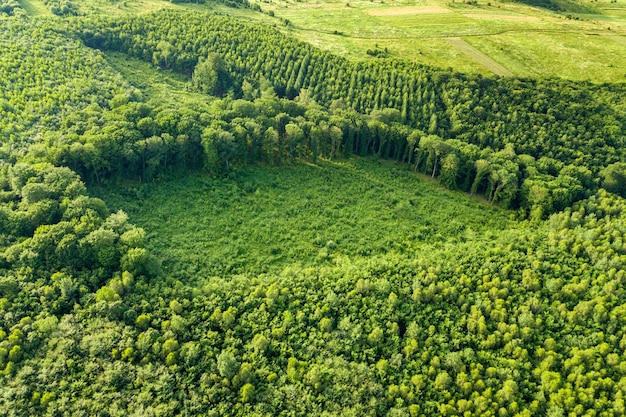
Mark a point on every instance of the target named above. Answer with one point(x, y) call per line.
point(201, 215)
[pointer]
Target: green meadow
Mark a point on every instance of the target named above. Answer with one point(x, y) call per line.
point(262, 219)
point(527, 41)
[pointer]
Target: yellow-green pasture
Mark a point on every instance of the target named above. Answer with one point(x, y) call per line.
point(526, 41)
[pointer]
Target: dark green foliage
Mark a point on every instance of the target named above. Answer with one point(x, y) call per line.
point(230, 3)
point(570, 122)
point(239, 4)
point(210, 76)
point(614, 178)
point(547, 4)
point(9, 7)
point(296, 279)
point(62, 7)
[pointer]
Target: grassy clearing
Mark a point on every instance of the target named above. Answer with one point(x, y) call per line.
point(265, 219)
point(162, 86)
point(582, 56)
point(35, 8)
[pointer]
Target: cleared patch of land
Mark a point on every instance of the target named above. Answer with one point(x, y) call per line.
point(34, 8)
point(255, 223)
point(479, 57)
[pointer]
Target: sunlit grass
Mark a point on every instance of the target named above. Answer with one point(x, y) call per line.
point(165, 87)
point(35, 8)
point(527, 41)
point(263, 219)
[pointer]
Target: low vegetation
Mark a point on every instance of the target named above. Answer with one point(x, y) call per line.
point(542, 38)
point(261, 219)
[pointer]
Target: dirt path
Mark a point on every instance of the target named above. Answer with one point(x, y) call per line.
point(479, 57)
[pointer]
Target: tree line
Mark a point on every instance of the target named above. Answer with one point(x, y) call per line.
point(120, 136)
point(137, 141)
point(437, 121)
point(572, 122)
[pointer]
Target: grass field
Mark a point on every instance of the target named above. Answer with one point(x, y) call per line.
point(35, 7)
point(518, 39)
point(479, 57)
point(263, 219)
point(165, 87)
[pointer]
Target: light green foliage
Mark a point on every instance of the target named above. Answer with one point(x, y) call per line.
point(106, 294)
point(247, 393)
point(143, 321)
point(297, 278)
point(526, 40)
point(169, 346)
point(139, 262)
point(260, 343)
point(376, 336)
point(227, 364)
point(176, 307)
point(326, 324)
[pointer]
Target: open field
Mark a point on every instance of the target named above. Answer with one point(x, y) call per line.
point(589, 55)
point(621, 39)
point(34, 7)
point(521, 40)
point(265, 219)
point(479, 57)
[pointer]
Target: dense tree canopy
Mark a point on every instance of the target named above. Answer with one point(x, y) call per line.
point(524, 319)
point(570, 122)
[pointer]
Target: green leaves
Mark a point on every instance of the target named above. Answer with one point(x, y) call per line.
point(210, 76)
point(614, 178)
point(227, 364)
